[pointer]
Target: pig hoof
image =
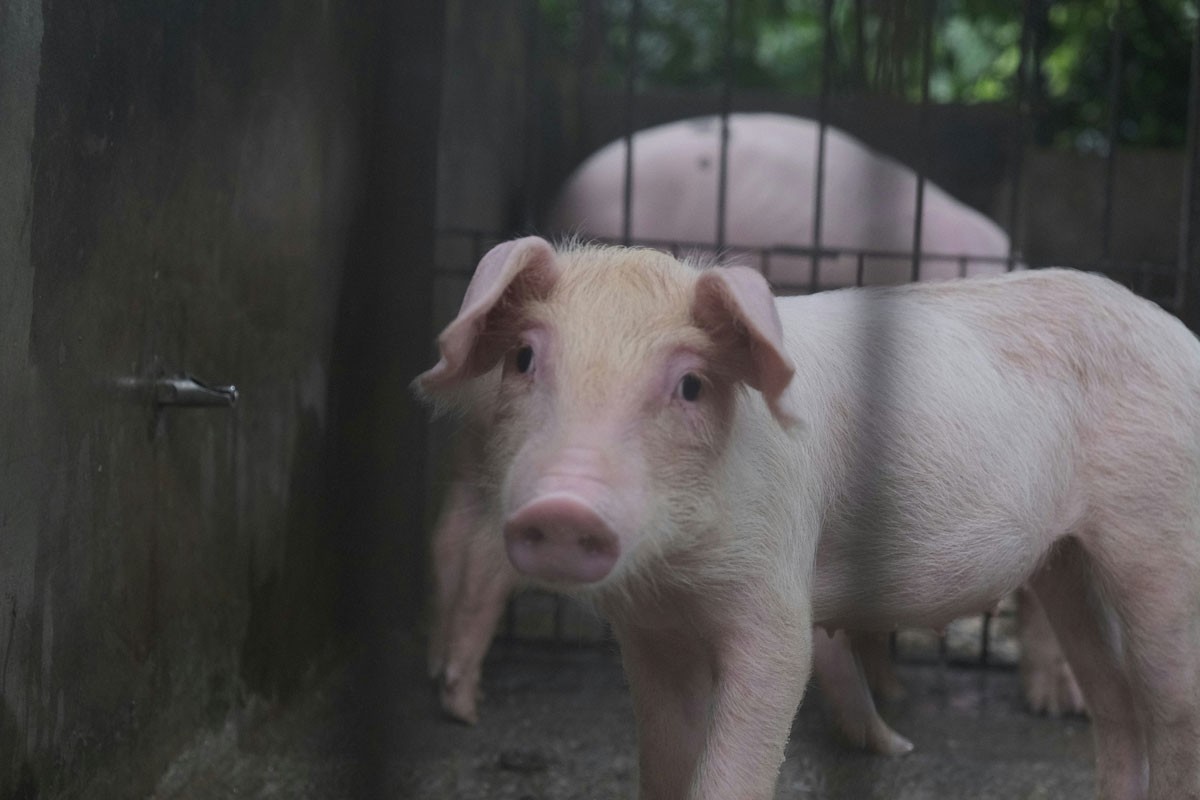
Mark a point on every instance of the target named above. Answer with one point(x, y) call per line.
point(458, 704)
point(889, 743)
point(1051, 689)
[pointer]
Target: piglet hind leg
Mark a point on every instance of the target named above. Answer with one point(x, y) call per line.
point(451, 538)
point(714, 713)
point(1046, 678)
point(845, 689)
point(874, 653)
point(1066, 587)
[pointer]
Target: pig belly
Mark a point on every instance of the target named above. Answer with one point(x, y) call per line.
point(955, 478)
point(850, 594)
point(951, 526)
point(948, 532)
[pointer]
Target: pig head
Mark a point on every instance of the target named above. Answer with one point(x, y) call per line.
point(608, 428)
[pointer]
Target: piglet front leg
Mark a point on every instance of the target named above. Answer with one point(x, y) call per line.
point(1046, 678)
point(449, 546)
point(473, 583)
point(714, 703)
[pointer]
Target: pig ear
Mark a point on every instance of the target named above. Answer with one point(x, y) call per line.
point(510, 274)
point(736, 307)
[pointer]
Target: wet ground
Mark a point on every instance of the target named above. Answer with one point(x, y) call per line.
point(557, 725)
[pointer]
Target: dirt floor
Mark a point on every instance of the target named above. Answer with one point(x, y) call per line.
point(557, 725)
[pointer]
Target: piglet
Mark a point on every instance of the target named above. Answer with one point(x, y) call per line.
point(474, 579)
point(719, 470)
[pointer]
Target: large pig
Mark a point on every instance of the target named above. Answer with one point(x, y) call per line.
point(719, 470)
point(868, 202)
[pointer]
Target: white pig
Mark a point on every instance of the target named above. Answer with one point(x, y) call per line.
point(869, 201)
point(719, 470)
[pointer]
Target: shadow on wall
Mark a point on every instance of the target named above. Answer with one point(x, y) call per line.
point(293, 597)
point(17, 781)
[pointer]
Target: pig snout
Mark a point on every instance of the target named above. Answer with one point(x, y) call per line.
point(559, 537)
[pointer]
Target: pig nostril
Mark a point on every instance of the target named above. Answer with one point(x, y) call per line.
point(561, 538)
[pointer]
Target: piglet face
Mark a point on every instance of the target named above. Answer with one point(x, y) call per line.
point(606, 450)
point(619, 374)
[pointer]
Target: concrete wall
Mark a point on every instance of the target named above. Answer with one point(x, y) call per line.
point(209, 189)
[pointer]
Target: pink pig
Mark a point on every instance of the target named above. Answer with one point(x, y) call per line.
point(719, 470)
point(869, 201)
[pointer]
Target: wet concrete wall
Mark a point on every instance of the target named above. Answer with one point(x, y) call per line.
point(241, 192)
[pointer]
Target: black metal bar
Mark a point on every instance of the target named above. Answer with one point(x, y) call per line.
point(765, 263)
point(1018, 137)
point(860, 47)
point(533, 118)
point(1163, 269)
point(635, 14)
point(589, 57)
point(923, 133)
point(860, 268)
point(1116, 67)
point(822, 124)
point(560, 603)
point(726, 106)
point(985, 638)
point(1184, 305)
point(510, 619)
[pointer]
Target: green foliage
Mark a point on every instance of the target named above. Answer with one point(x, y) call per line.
point(1155, 49)
point(876, 47)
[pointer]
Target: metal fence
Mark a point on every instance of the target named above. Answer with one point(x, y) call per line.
point(988, 640)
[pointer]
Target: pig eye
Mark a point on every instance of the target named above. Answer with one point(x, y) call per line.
point(524, 358)
point(689, 387)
